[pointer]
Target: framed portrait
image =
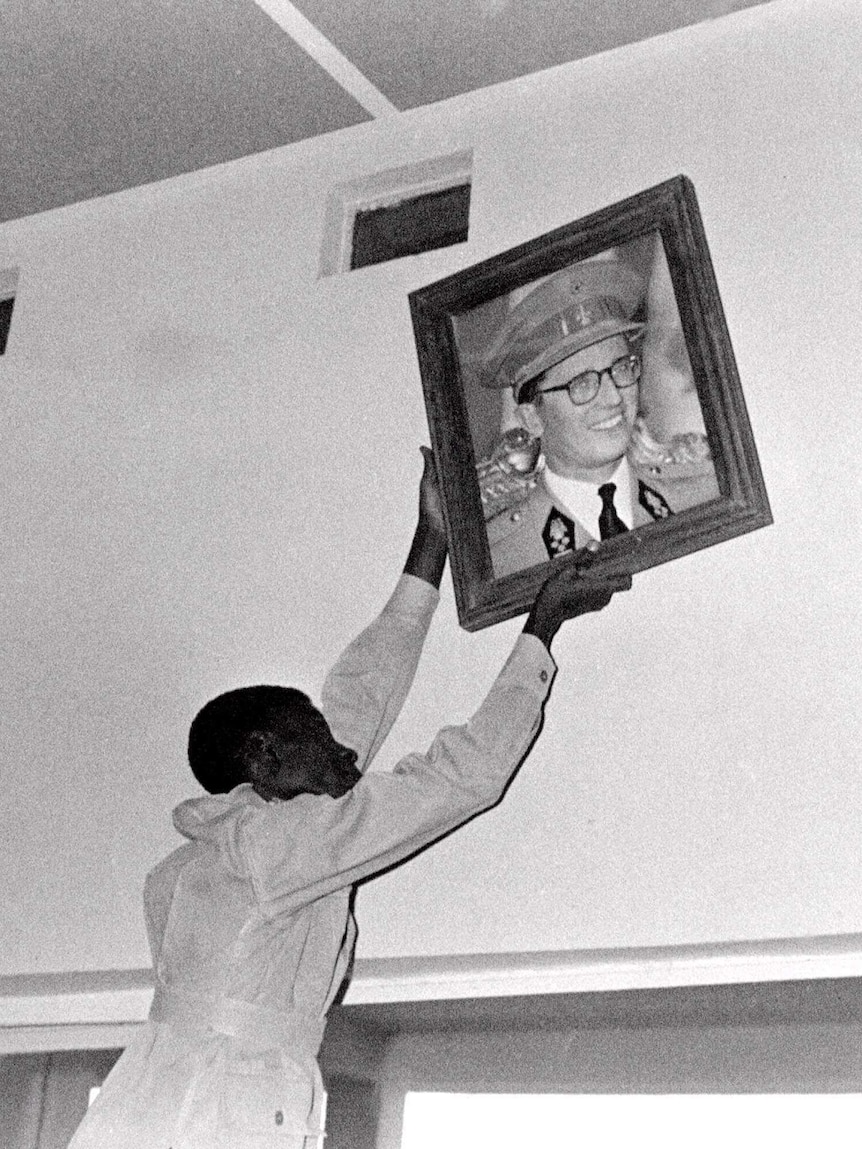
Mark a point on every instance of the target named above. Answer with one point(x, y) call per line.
point(582, 387)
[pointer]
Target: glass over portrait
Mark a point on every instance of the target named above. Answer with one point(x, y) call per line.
point(582, 406)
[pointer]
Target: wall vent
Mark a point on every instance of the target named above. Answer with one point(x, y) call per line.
point(8, 288)
point(419, 223)
point(399, 212)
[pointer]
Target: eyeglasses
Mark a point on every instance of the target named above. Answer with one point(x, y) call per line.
point(624, 372)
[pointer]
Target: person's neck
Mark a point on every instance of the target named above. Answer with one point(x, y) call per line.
point(593, 475)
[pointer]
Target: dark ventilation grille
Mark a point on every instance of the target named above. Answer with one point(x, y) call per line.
point(424, 223)
point(6, 306)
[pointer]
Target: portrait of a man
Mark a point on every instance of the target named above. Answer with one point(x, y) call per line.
point(583, 410)
point(582, 392)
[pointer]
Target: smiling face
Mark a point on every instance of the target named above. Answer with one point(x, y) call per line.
point(584, 442)
point(299, 755)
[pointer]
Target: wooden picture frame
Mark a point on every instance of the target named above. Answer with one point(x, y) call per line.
point(692, 431)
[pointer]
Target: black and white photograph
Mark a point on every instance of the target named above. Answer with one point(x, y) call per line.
point(430, 615)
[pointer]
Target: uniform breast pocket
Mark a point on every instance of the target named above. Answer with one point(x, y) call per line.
point(264, 1099)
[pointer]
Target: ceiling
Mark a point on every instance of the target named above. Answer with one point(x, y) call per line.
point(102, 95)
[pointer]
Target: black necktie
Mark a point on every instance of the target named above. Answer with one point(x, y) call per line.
point(610, 523)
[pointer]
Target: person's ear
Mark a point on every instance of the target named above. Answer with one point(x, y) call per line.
point(530, 419)
point(261, 756)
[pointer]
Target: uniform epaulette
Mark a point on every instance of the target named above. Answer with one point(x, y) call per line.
point(509, 473)
point(683, 456)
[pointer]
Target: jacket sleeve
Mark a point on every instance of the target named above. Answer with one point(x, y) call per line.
point(365, 690)
point(301, 850)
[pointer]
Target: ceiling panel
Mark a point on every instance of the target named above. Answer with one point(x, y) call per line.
point(100, 95)
point(420, 51)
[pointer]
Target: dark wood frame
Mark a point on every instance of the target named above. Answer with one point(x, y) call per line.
point(671, 210)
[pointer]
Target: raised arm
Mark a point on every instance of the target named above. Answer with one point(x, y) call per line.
point(365, 690)
point(386, 817)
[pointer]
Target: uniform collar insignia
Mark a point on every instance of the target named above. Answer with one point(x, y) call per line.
point(558, 534)
point(652, 502)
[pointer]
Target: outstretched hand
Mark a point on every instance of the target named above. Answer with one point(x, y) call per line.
point(569, 593)
point(430, 501)
point(427, 556)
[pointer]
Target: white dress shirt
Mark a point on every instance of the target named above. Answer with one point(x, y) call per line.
point(582, 501)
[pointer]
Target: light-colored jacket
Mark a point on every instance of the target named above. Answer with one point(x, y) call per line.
point(249, 922)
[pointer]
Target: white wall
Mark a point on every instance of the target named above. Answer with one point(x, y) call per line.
point(209, 473)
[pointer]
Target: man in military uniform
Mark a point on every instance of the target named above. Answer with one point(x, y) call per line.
point(569, 353)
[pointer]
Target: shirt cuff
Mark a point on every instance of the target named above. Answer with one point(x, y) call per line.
point(413, 597)
point(531, 662)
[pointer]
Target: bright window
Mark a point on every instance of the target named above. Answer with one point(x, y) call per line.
point(625, 1121)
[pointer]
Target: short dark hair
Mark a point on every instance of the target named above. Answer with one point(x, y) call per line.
point(224, 731)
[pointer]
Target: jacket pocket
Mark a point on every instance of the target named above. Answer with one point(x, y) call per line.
point(265, 1095)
